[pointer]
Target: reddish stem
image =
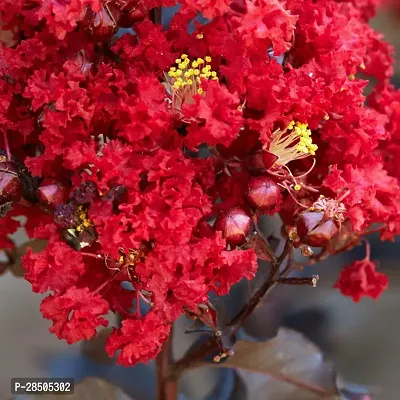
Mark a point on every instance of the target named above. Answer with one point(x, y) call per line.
point(367, 250)
point(270, 282)
point(147, 301)
point(103, 285)
point(7, 146)
point(97, 256)
point(309, 170)
point(343, 196)
point(284, 184)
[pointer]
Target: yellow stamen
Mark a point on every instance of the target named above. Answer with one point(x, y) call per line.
point(199, 36)
point(180, 79)
point(292, 143)
point(83, 220)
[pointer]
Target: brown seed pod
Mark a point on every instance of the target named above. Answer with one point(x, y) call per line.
point(263, 193)
point(234, 225)
point(10, 183)
point(51, 193)
point(315, 229)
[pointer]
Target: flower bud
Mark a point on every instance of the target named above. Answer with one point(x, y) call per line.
point(239, 6)
point(263, 193)
point(10, 183)
point(234, 225)
point(132, 16)
point(51, 193)
point(314, 229)
point(102, 25)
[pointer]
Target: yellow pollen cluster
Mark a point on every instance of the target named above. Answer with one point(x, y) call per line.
point(131, 258)
point(84, 221)
point(292, 143)
point(187, 74)
point(305, 144)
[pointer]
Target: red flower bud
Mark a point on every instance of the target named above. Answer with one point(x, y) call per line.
point(239, 6)
point(133, 15)
point(263, 193)
point(234, 225)
point(10, 184)
point(102, 25)
point(314, 229)
point(51, 193)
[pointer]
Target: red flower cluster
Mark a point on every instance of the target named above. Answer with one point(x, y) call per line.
point(122, 151)
point(361, 279)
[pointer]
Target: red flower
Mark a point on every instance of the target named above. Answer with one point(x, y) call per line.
point(209, 8)
point(138, 340)
point(49, 270)
point(258, 27)
point(373, 194)
point(75, 314)
point(217, 119)
point(361, 279)
point(62, 17)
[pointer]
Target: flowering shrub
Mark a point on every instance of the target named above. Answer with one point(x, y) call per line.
point(123, 151)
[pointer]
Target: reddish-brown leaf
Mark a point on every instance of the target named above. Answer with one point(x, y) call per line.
point(287, 367)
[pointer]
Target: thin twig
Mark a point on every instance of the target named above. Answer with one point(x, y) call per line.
point(156, 15)
point(266, 287)
point(191, 359)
